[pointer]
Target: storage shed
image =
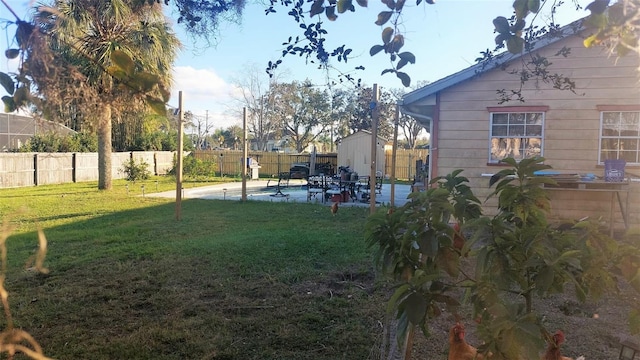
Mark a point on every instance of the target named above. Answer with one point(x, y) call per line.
point(355, 151)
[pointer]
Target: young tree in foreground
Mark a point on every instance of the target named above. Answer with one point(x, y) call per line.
point(518, 256)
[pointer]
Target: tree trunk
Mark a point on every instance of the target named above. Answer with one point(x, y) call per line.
point(389, 349)
point(104, 148)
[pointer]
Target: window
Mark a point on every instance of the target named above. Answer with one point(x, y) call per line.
point(515, 134)
point(620, 136)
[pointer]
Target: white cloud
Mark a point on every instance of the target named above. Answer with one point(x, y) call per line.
point(199, 84)
point(203, 91)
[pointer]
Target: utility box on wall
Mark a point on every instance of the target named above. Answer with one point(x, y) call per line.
point(355, 151)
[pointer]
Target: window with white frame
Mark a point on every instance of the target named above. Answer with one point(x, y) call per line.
point(620, 136)
point(516, 134)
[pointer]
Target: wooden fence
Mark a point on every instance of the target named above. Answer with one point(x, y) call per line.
point(30, 169)
point(271, 163)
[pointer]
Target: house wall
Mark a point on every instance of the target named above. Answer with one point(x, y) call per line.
point(355, 151)
point(571, 128)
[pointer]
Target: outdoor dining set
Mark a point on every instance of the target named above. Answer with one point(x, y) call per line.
point(345, 187)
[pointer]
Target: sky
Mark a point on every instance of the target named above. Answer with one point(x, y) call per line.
point(445, 38)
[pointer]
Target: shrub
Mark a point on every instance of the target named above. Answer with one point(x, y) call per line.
point(51, 142)
point(196, 168)
point(136, 170)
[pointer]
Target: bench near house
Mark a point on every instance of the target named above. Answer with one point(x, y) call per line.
point(575, 132)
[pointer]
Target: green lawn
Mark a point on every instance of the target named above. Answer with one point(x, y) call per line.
point(231, 280)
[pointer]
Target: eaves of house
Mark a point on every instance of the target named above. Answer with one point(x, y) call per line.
point(421, 103)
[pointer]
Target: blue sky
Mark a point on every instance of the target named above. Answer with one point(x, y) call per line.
point(445, 37)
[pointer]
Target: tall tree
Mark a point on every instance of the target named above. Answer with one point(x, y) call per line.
point(360, 116)
point(304, 112)
point(255, 94)
point(106, 57)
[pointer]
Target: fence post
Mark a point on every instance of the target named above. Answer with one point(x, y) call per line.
point(73, 168)
point(35, 169)
point(155, 163)
point(410, 163)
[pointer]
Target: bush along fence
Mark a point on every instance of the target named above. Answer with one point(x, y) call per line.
point(31, 169)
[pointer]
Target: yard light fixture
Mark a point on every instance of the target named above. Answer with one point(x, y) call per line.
point(224, 194)
point(142, 190)
point(629, 350)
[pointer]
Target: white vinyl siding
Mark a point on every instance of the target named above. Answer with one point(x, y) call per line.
point(620, 136)
point(518, 135)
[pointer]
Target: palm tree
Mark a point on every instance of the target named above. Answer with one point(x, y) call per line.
point(70, 59)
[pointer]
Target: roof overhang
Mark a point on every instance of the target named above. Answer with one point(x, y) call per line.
point(418, 100)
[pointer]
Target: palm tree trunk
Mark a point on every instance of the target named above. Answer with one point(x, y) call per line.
point(104, 148)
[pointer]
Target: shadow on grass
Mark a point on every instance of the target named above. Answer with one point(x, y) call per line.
point(231, 280)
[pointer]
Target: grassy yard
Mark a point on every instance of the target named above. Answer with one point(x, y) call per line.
point(255, 280)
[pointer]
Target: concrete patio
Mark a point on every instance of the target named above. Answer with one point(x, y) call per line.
point(263, 190)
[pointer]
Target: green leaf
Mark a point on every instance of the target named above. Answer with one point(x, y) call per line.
point(116, 72)
point(123, 61)
point(387, 34)
point(501, 38)
point(375, 49)
point(597, 7)
point(518, 26)
point(383, 17)
point(156, 105)
point(401, 64)
point(533, 5)
point(11, 53)
point(409, 57)
point(316, 8)
point(9, 104)
point(501, 25)
point(21, 96)
point(405, 78)
point(344, 5)
point(544, 280)
point(145, 81)
point(397, 297)
point(415, 307)
point(363, 3)
point(521, 7)
point(598, 21)
point(23, 32)
point(447, 259)
point(330, 13)
point(398, 43)
point(7, 83)
point(391, 4)
point(622, 50)
point(515, 44)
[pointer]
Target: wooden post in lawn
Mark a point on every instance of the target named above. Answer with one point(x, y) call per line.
point(245, 154)
point(375, 113)
point(179, 154)
point(394, 151)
